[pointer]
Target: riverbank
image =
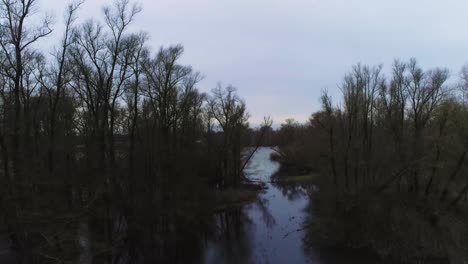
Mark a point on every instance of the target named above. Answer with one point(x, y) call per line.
point(387, 229)
point(247, 192)
point(394, 230)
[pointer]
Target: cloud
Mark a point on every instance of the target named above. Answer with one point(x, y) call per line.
point(281, 54)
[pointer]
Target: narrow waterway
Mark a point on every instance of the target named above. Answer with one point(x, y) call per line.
point(270, 227)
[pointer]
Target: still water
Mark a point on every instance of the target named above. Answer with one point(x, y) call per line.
point(270, 227)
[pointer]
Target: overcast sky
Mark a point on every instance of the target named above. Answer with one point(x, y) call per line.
point(280, 54)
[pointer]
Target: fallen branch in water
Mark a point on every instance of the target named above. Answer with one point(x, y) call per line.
point(297, 230)
point(267, 123)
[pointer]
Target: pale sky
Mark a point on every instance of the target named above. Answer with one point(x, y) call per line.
point(280, 54)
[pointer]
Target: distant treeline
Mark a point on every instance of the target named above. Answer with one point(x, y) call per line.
point(109, 136)
point(390, 161)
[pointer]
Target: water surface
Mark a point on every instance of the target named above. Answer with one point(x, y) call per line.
point(271, 228)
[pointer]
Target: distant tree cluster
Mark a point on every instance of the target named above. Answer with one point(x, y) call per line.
point(391, 161)
point(405, 132)
point(107, 134)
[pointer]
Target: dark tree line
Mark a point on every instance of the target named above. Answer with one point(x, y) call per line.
point(391, 161)
point(395, 132)
point(107, 133)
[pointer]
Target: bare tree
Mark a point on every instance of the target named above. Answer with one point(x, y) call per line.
point(425, 92)
point(229, 111)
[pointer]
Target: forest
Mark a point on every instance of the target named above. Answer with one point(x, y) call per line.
point(390, 163)
point(108, 132)
point(109, 139)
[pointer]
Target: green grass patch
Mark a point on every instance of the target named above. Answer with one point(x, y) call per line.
point(297, 179)
point(301, 179)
